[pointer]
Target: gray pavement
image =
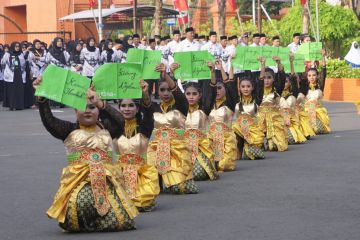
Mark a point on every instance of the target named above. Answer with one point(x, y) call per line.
point(309, 192)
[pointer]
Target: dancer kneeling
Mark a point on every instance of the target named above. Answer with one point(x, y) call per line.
point(249, 134)
point(168, 150)
point(196, 126)
point(91, 197)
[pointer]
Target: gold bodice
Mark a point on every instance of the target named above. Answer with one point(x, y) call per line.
point(135, 145)
point(248, 109)
point(270, 99)
point(171, 119)
point(290, 102)
point(196, 120)
point(314, 95)
point(222, 114)
point(80, 140)
point(300, 99)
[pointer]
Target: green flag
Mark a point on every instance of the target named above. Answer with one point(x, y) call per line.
point(118, 81)
point(299, 64)
point(311, 51)
point(64, 86)
point(148, 59)
point(193, 65)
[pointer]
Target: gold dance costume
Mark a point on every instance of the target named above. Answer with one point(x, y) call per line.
point(304, 119)
point(91, 195)
point(202, 155)
point(270, 118)
point(319, 118)
point(168, 149)
point(290, 114)
point(224, 143)
point(131, 142)
point(246, 126)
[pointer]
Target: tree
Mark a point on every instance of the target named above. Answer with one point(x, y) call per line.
point(157, 17)
point(305, 18)
point(222, 16)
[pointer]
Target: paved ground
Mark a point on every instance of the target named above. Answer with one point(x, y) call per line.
point(310, 192)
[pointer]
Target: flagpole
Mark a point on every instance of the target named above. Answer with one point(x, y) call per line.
point(134, 15)
point(238, 15)
point(100, 23)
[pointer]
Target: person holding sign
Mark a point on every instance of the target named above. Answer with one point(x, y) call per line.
point(131, 142)
point(168, 150)
point(246, 126)
point(91, 197)
point(220, 119)
point(270, 118)
point(313, 91)
point(91, 58)
point(196, 124)
point(288, 106)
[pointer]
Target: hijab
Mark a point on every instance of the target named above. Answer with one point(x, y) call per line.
point(13, 52)
point(58, 52)
point(109, 51)
point(75, 54)
point(90, 48)
point(353, 56)
point(126, 45)
point(37, 51)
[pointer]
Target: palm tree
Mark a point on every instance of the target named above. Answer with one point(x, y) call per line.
point(157, 17)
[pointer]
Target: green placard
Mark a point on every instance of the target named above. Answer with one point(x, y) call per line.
point(238, 61)
point(299, 64)
point(148, 59)
point(251, 61)
point(193, 65)
point(311, 51)
point(64, 86)
point(118, 81)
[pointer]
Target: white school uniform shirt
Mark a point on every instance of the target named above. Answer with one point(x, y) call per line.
point(120, 55)
point(37, 65)
point(91, 61)
point(214, 49)
point(140, 46)
point(8, 64)
point(293, 47)
point(186, 46)
point(51, 60)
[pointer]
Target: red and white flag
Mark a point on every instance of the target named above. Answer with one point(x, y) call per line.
point(232, 5)
point(182, 7)
point(303, 2)
point(92, 3)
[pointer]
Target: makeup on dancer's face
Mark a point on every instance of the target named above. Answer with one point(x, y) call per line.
point(192, 95)
point(164, 92)
point(90, 116)
point(311, 75)
point(246, 87)
point(220, 90)
point(268, 79)
point(128, 108)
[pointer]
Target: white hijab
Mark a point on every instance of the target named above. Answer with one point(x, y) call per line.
point(353, 56)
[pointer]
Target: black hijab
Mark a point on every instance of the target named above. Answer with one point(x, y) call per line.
point(58, 52)
point(90, 48)
point(37, 51)
point(126, 45)
point(75, 54)
point(13, 52)
point(1, 51)
point(109, 51)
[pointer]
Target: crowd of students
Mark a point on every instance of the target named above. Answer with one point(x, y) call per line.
point(121, 158)
point(23, 62)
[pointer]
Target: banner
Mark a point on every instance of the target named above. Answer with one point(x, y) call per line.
point(193, 65)
point(299, 64)
point(148, 59)
point(64, 86)
point(247, 57)
point(311, 51)
point(118, 81)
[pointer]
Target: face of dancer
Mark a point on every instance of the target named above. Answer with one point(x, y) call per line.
point(220, 90)
point(268, 79)
point(128, 108)
point(246, 87)
point(311, 76)
point(287, 83)
point(89, 117)
point(192, 95)
point(164, 92)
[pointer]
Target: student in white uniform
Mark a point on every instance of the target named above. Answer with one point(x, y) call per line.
point(263, 40)
point(295, 44)
point(136, 41)
point(276, 41)
point(188, 44)
point(212, 46)
point(152, 47)
point(120, 55)
point(244, 40)
point(202, 40)
point(175, 42)
point(91, 58)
